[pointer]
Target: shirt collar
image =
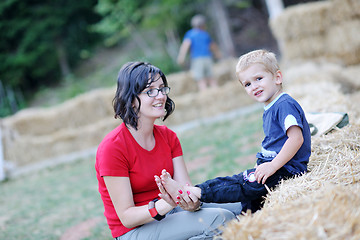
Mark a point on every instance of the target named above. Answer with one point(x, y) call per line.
point(273, 102)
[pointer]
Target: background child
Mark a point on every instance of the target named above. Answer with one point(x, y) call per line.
point(201, 48)
point(286, 147)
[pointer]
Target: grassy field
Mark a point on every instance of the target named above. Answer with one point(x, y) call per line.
point(46, 204)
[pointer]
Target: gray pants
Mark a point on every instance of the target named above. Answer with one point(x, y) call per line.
point(181, 225)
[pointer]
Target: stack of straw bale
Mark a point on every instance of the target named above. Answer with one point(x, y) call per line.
point(317, 86)
point(208, 103)
point(33, 135)
point(326, 29)
point(87, 108)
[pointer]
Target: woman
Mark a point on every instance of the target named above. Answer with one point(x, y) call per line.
point(131, 155)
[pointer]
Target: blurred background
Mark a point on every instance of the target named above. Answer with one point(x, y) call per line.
point(54, 50)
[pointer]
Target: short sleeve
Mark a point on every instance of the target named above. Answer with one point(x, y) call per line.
point(172, 140)
point(111, 160)
point(289, 116)
point(290, 120)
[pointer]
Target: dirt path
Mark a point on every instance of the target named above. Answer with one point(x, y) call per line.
point(81, 230)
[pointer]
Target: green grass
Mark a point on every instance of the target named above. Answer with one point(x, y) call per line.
point(45, 204)
point(221, 147)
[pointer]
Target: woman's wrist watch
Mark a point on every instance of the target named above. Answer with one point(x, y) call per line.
point(153, 212)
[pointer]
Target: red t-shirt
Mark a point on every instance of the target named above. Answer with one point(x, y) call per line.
point(120, 155)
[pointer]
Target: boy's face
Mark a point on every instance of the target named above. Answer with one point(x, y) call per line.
point(260, 84)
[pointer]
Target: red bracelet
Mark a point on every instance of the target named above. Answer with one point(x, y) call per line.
point(153, 212)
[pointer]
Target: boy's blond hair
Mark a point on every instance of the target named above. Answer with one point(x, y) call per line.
point(264, 57)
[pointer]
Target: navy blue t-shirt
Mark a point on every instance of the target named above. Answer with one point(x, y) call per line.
point(282, 113)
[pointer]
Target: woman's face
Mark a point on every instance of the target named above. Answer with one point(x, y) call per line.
point(152, 107)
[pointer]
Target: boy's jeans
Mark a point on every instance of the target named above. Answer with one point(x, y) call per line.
point(240, 188)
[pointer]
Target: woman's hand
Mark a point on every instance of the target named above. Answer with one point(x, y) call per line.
point(188, 201)
point(163, 193)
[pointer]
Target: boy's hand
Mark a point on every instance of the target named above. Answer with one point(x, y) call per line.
point(264, 171)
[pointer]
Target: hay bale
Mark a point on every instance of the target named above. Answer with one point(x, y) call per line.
point(344, 10)
point(301, 20)
point(82, 110)
point(33, 149)
point(329, 213)
point(60, 130)
point(349, 83)
point(224, 70)
point(305, 47)
point(354, 108)
point(343, 42)
point(332, 212)
point(317, 86)
point(298, 72)
point(209, 103)
point(340, 43)
point(326, 29)
point(181, 83)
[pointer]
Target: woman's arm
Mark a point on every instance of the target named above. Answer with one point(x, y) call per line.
point(189, 200)
point(180, 172)
point(120, 192)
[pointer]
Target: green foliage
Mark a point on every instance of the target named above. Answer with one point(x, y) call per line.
point(120, 18)
point(243, 4)
point(10, 101)
point(32, 34)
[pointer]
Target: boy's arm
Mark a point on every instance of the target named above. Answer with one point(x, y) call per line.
point(290, 148)
point(215, 50)
point(184, 48)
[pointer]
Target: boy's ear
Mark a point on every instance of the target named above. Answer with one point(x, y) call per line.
point(278, 77)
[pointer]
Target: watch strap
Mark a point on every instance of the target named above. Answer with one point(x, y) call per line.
point(153, 212)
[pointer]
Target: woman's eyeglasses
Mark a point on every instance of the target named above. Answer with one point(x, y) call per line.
point(155, 91)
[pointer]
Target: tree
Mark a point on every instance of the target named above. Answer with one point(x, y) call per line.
point(154, 26)
point(221, 21)
point(42, 39)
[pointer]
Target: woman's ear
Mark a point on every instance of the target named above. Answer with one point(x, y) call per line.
point(135, 103)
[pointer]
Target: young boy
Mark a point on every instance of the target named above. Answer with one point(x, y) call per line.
point(202, 48)
point(285, 149)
